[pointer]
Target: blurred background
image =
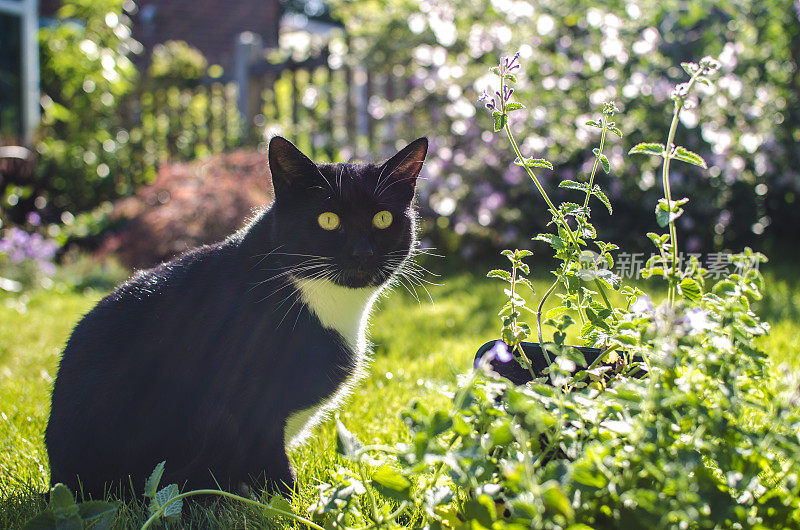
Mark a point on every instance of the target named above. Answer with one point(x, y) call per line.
point(135, 130)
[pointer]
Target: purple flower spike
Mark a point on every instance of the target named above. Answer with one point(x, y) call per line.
point(500, 352)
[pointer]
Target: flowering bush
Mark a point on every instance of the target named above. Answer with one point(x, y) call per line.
point(24, 258)
point(580, 56)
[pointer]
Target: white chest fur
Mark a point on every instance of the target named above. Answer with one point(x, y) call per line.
point(345, 311)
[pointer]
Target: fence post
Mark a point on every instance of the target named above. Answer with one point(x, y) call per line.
point(248, 47)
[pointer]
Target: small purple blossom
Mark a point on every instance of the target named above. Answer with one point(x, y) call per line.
point(509, 64)
point(500, 352)
point(642, 305)
point(697, 320)
point(488, 100)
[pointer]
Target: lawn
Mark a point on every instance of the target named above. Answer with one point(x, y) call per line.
point(419, 350)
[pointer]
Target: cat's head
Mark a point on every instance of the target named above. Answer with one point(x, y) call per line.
point(352, 224)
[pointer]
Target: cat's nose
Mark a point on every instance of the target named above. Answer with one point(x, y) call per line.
point(362, 250)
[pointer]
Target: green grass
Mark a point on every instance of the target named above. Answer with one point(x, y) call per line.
point(419, 350)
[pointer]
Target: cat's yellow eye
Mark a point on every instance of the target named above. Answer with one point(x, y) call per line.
point(328, 220)
point(382, 219)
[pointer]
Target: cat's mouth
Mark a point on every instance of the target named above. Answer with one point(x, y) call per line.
point(357, 277)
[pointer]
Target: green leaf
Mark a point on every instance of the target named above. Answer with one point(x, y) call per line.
point(499, 273)
point(534, 162)
point(555, 500)
point(648, 149)
point(513, 79)
point(592, 123)
point(44, 520)
point(616, 131)
point(684, 155)
point(553, 240)
point(602, 196)
point(151, 485)
point(100, 513)
point(391, 484)
point(61, 497)
point(572, 185)
point(555, 312)
point(584, 474)
point(575, 355)
point(513, 105)
point(500, 120)
point(279, 502)
point(481, 510)
point(164, 495)
point(690, 289)
point(666, 214)
point(501, 432)
point(347, 444)
point(604, 162)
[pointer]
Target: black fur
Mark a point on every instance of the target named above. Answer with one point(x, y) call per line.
point(201, 360)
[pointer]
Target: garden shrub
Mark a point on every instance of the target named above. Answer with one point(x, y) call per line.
point(83, 144)
point(188, 205)
point(176, 63)
point(582, 54)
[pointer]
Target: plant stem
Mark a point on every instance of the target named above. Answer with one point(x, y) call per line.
point(596, 162)
point(613, 346)
point(376, 515)
point(539, 312)
point(553, 210)
point(673, 233)
point(276, 511)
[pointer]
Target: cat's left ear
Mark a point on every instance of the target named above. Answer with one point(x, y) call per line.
point(402, 170)
point(287, 164)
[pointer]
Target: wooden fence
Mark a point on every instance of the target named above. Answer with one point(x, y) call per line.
point(331, 110)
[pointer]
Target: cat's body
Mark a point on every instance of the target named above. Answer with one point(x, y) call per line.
point(219, 360)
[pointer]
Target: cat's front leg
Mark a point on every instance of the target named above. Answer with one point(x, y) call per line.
point(277, 474)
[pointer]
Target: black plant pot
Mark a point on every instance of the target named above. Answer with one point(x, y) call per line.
point(518, 375)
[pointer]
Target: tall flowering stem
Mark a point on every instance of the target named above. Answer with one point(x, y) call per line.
point(668, 210)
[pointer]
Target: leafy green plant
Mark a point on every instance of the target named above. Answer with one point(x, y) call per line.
point(579, 267)
point(64, 513)
point(706, 439)
point(166, 503)
point(666, 263)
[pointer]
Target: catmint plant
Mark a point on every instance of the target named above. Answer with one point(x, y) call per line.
point(687, 282)
point(583, 273)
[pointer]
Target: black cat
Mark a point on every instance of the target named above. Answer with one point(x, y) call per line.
point(220, 359)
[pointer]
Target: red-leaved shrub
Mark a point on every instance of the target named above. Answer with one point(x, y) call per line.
point(188, 205)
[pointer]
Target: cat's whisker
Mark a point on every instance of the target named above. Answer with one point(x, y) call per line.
point(264, 256)
point(291, 271)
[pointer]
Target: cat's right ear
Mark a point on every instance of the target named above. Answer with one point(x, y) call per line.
point(287, 164)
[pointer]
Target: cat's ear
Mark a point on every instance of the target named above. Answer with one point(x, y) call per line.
point(287, 164)
point(401, 171)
